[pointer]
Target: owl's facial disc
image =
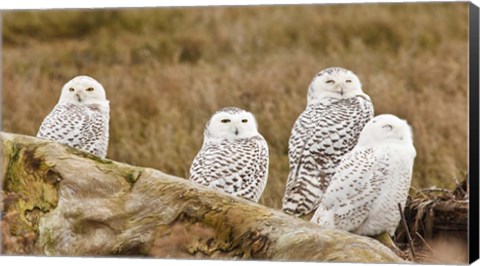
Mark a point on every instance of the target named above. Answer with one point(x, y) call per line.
point(386, 128)
point(334, 83)
point(342, 83)
point(83, 90)
point(224, 125)
point(396, 131)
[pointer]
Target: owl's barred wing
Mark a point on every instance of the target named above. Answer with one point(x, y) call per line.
point(303, 186)
point(98, 130)
point(347, 202)
point(252, 188)
point(237, 167)
point(322, 134)
point(367, 110)
point(302, 131)
point(206, 166)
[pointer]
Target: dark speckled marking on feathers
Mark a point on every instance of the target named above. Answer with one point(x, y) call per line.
point(238, 167)
point(83, 127)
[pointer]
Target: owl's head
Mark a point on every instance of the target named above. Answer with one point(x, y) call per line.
point(83, 90)
point(231, 123)
point(386, 128)
point(334, 82)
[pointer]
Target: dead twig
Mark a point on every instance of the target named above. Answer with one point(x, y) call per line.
point(409, 237)
point(437, 190)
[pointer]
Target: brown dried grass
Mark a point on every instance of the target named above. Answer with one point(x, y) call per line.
point(167, 70)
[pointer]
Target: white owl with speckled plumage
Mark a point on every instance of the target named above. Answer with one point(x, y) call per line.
point(371, 180)
point(336, 111)
point(234, 155)
point(81, 117)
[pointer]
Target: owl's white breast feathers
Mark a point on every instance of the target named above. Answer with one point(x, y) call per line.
point(85, 127)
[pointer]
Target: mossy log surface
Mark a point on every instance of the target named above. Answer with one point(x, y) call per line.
point(60, 201)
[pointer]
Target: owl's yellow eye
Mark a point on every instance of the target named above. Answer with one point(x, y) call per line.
point(348, 81)
point(225, 120)
point(330, 81)
point(71, 89)
point(244, 120)
point(90, 89)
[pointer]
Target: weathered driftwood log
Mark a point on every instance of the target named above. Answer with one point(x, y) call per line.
point(61, 201)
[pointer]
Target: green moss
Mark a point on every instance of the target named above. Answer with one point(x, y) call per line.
point(10, 179)
point(133, 176)
point(48, 238)
point(87, 155)
point(25, 178)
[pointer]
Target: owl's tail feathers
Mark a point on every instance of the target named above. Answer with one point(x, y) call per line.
point(324, 217)
point(301, 201)
point(290, 206)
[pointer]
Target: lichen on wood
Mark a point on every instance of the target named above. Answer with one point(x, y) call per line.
point(30, 187)
point(69, 203)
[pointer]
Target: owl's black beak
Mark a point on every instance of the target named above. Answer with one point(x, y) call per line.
point(236, 131)
point(341, 91)
point(79, 98)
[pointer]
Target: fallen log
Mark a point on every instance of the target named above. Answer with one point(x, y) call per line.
point(59, 201)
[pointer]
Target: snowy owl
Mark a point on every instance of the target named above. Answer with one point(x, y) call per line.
point(80, 118)
point(234, 156)
point(336, 112)
point(371, 180)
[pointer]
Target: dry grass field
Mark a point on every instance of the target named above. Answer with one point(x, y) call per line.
point(167, 70)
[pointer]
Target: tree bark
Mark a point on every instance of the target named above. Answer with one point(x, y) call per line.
point(60, 201)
